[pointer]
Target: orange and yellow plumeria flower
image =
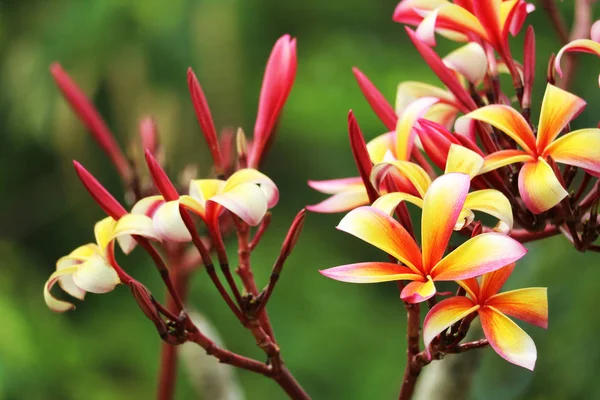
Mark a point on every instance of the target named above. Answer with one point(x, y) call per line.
point(581, 45)
point(460, 159)
point(506, 338)
point(88, 268)
point(247, 193)
point(442, 206)
point(538, 185)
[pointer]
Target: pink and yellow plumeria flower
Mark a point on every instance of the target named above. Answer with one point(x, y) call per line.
point(88, 268)
point(489, 20)
point(581, 45)
point(506, 338)
point(247, 193)
point(459, 159)
point(538, 185)
point(442, 206)
point(349, 193)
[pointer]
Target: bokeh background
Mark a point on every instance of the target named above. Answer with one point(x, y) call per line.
point(341, 341)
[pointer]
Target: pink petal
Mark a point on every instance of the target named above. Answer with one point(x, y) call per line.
point(418, 291)
point(445, 314)
point(370, 272)
point(539, 187)
point(342, 202)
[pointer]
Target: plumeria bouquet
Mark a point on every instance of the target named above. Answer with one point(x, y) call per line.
point(466, 153)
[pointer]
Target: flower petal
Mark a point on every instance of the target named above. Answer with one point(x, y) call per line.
point(492, 282)
point(414, 173)
point(483, 253)
point(507, 339)
point(103, 230)
point(405, 133)
point(509, 121)
point(469, 60)
point(442, 205)
point(96, 276)
point(249, 175)
point(461, 159)
point(410, 91)
point(445, 314)
point(203, 189)
point(379, 146)
point(529, 305)
point(452, 16)
point(169, 225)
point(133, 224)
point(334, 186)
point(382, 231)
point(194, 205)
point(504, 157)
point(406, 11)
point(370, 272)
point(246, 200)
point(494, 203)
point(388, 202)
point(558, 108)
point(539, 187)
point(426, 29)
point(580, 148)
point(341, 202)
point(418, 291)
point(582, 45)
point(53, 303)
point(148, 205)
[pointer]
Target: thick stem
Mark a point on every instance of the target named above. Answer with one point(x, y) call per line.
point(290, 385)
point(413, 368)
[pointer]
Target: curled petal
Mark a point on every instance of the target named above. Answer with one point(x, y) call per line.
point(483, 253)
point(461, 159)
point(53, 303)
point(494, 203)
point(409, 91)
point(509, 121)
point(426, 29)
point(96, 276)
point(558, 108)
point(193, 205)
point(334, 186)
point(529, 305)
point(370, 272)
point(457, 18)
point(595, 31)
point(405, 134)
point(380, 230)
point(441, 207)
point(169, 225)
point(581, 45)
point(408, 11)
point(507, 339)
point(203, 189)
point(381, 145)
point(469, 60)
point(148, 205)
point(250, 175)
point(539, 187)
point(464, 219)
point(418, 291)
point(414, 173)
point(471, 286)
point(580, 148)
point(133, 224)
point(388, 202)
point(341, 202)
point(245, 200)
point(504, 157)
point(445, 314)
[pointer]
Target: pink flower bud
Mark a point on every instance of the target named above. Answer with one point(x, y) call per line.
point(104, 199)
point(361, 155)
point(160, 178)
point(378, 103)
point(149, 135)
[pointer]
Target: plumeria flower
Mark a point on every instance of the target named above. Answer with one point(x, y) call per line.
point(459, 159)
point(489, 20)
point(538, 185)
point(89, 267)
point(506, 338)
point(349, 193)
point(581, 45)
point(442, 205)
point(247, 193)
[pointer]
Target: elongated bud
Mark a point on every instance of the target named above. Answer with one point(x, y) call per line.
point(361, 155)
point(146, 302)
point(149, 134)
point(528, 67)
point(446, 75)
point(436, 141)
point(90, 117)
point(380, 106)
point(241, 146)
point(280, 73)
point(205, 120)
point(100, 195)
point(160, 178)
point(477, 229)
point(293, 234)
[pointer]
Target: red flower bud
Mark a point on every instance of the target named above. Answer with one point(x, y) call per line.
point(104, 199)
point(378, 103)
point(160, 178)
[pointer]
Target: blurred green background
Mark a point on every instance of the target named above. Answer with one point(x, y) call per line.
point(341, 341)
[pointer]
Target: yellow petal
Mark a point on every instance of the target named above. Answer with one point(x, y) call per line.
point(246, 200)
point(558, 108)
point(249, 175)
point(342, 202)
point(388, 202)
point(133, 224)
point(168, 224)
point(418, 291)
point(479, 255)
point(461, 159)
point(379, 146)
point(410, 91)
point(494, 203)
point(504, 157)
point(96, 276)
point(529, 305)
point(507, 339)
point(469, 60)
point(103, 231)
point(441, 207)
point(194, 205)
point(203, 189)
point(457, 18)
point(539, 187)
point(53, 303)
point(380, 230)
point(509, 121)
point(580, 148)
point(405, 134)
point(445, 314)
point(492, 282)
point(414, 173)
